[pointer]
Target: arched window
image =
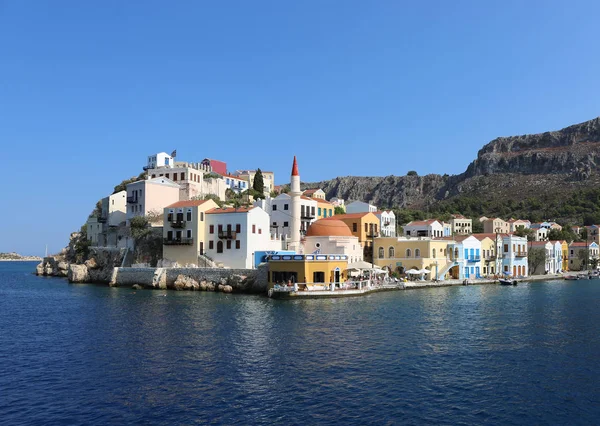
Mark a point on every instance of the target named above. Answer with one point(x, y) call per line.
point(433, 253)
point(381, 252)
point(408, 253)
point(417, 253)
point(220, 247)
point(392, 252)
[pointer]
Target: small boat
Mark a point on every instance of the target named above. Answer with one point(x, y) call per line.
point(504, 281)
point(571, 277)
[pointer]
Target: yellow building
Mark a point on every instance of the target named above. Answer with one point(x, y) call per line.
point(324, 208)
point(488, 253)
point(308, 268)
point(402, 254)
point(314, 193)
point(184, 231)
point(565, 254)
point(365, 226)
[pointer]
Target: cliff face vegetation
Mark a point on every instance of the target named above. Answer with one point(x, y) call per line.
point(542, 167)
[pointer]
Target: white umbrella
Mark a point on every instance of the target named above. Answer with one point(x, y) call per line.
point(413, 271)
point(424, 271)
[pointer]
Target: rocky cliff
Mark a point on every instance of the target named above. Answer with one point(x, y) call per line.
point(559, 161)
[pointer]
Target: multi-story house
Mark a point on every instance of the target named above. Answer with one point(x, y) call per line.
point(103, 224)
point(402, 254)
point(549, 265)
point(150, 196)
point(461, 225)
point(314, 193)
point(489, 248)
point(387, 222)
point(162, 159)
point(425, 228)
point(235, 183)
point(338, 202)
point(234, 235)
point(360, 207)
point(280, 210)
point(565, 255)
point(184, 231)
point(195, 180)
point(469, 257)
point(514, 256)
point(248, 176)
point(583, 255)
point(593, 233)
point(496, 225)
point(541, 234)
point(365, 226)
point(324, 208)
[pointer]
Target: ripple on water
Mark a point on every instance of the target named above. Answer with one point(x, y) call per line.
point(463, 355)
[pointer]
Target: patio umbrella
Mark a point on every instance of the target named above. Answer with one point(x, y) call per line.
point(413, 271)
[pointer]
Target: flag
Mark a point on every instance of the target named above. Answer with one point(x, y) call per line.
point(174, 153)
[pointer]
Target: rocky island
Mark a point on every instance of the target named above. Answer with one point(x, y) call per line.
point(16, 257)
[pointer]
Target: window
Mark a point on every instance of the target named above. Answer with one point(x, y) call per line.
point(367, 227)
point(274, 207)
point(285, 206)
point(505, 248)
point(237, 244)
point(229, 228)
point(433, 253)
point(175, 177)
point(354, 227)
point(189, 216)
point(153, 176)
point(253, 229)
point(312, 209)
point(330, 212)
point(167, 175)
point(211, 230)
point(381, 252)
point(210, 245)
point(392, 252)
point(417, 253)
point(189, 233)
point(318, 277)
point(201, 216)
point(220, 247)
point(170, 235)
point(320, 211)
point(220, 228)
point(259, 231)
point(182, 176)
point(238, 227)
point(285, 224)
point(408, 253)
point(178, 235)
point(228, 244)
point(170, 217)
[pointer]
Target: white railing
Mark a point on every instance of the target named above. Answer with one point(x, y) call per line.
point(348, 285)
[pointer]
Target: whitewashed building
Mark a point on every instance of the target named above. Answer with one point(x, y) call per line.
point(461, 225)
point(432, 228)
point(387, 223)
point(248, 176)
point(235, 234)
point(360, 207)
point(280, 210)
point(196, 180)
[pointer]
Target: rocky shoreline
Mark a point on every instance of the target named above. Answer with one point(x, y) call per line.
point(104, 268)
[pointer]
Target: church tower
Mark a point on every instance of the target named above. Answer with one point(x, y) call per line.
point(295, 194)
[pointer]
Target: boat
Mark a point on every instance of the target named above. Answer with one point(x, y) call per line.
point(571, 277)
point(504, 281)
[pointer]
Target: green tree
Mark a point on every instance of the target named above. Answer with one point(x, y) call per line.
point(584, 257)
point(525, 232)
point(258, 185)
point(564, 234)
point(123, 185)
point(536, 257)
point(477, 225)
point(412, 173)
point(81, 246)
point(339, 210)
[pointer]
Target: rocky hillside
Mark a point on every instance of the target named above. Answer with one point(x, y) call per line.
point(15, 257)
point(513, 167)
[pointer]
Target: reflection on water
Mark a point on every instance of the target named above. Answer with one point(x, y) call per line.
point(478, 354)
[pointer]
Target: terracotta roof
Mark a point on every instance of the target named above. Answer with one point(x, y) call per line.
point(311, 191)
point(230, 210)
point(189, 203)
point(382, 211)
point(488, 235)
point(328, 227)
point(538, 243)
point(319, 200)
point(458, 216)
point(346, 216)
point(234, 177)
point(307, 198)
point(579, 244)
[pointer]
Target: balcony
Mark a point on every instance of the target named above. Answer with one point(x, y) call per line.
point(228, 235)
point(178, 224)
point(132, 199)
point(179, 242)
point(307, 216)
point(473, 259)
point(520, 254)
point(102, 219)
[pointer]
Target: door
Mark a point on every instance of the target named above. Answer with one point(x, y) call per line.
point(477, 272)
point(467, 272)
point(201, 247)
point(337, 275)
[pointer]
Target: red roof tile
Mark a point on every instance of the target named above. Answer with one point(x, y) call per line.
point(230, 210)
point(188, 203)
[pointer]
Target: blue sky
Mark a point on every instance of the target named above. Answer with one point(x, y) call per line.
point(89, 89)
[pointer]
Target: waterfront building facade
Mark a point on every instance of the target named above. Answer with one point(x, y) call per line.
point(579, 251)
point(150, 196)
point(323, 269)
point(235, 234)
point(514, 256)
point(565, 255)
point(549, 265)
point(469, 256)
point(184, 231)
point(402, 254)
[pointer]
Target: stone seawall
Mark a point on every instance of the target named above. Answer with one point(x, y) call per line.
point(240, 280)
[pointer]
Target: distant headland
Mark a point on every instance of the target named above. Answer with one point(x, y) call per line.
point(15, 257)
